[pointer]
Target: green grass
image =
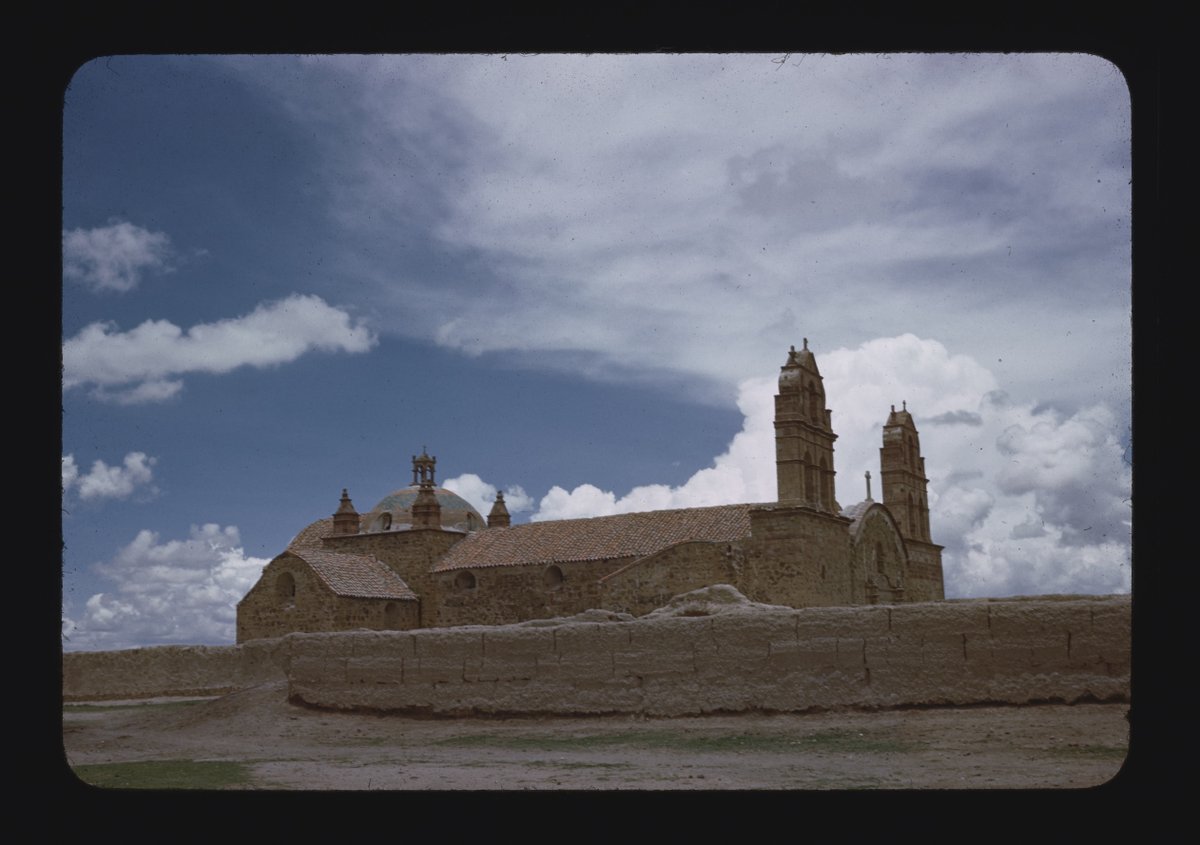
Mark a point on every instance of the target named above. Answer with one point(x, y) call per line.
point(576, 764)
point(848, 741)
point(1104, 752)
point(833, 741)
point(97, 708)
point(166, 774)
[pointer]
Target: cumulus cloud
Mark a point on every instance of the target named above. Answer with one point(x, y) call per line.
point(745, 472)
point(481, 494)
point(109, 482)
point(114, 257)
point(143, 364)
point(177, 591)
point(1025, 499)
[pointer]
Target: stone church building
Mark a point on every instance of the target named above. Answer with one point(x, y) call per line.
point(423, 557)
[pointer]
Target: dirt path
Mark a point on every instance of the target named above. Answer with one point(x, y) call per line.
point(295, 748)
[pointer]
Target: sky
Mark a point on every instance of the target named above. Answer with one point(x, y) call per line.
point(574, 278)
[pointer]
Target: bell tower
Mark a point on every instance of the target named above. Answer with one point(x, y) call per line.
point(426, 510)
point(903, 471)
point(804, 435)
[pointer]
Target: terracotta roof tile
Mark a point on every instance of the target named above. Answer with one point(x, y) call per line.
point(598, 538)
point(354, 576)
point(312, 533)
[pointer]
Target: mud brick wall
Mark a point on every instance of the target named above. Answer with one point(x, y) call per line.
point(171, 670)
point(945, 653)
point(1010, 651)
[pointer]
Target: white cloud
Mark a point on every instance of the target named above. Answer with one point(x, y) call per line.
point(1025, 501)
point(178, 591)
point(877, 194)
point(481, 494)
point(114, 257)
point(70, 472)
point(141, 365)
point(105, 482)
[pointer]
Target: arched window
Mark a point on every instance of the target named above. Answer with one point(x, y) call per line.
point(383, 522)
point(879, 561)
point(464, 581)
point(912, 517)
point(391, 616)
point(552, 577)
point(285, 589)
point(810, 477)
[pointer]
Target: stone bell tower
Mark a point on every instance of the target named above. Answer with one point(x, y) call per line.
point(426, 511)
point(804, 435)
point(903, 471)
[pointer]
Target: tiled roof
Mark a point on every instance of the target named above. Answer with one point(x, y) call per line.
point(598, 538)
point(354, 576)
point(312, 533)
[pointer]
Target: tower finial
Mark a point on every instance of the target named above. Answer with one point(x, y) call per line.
point(904, 404)
point(806, 343)
point(868, 475)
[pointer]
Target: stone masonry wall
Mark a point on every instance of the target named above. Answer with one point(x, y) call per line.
point(651, 581)
point(506, 594)
point(797, 562)
point(410, 554)
point(1012, 651)
point(265, 613)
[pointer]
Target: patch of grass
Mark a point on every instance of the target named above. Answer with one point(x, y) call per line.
point(849, 741)
point(577, 764)
point(1103, 752)
point(166, 774)
point(158, 705)
point(842, 741)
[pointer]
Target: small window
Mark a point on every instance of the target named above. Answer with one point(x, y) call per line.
point(552, 578)
point(464, 581)
point(391, 616)
point(285, 589)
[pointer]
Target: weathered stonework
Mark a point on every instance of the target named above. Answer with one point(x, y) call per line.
point(447, 566)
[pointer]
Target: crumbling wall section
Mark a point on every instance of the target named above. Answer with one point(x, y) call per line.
point(172, 670)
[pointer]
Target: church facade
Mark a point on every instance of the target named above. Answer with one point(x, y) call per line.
point(423, 557)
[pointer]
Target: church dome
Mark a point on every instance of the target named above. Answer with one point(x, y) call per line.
point(394, 512)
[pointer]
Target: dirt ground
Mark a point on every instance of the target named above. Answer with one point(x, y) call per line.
point(289, 747)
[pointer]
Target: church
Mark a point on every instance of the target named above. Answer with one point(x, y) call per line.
point(423, 557)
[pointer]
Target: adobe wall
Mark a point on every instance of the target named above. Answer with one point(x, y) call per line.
point(776, 659)
point(172, 670)
point(671, 662)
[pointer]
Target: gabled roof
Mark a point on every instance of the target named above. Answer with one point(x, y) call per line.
point(598, 538)
point(354, 576)
point(857, 511)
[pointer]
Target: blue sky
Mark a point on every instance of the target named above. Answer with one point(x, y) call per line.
point(575, 278)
